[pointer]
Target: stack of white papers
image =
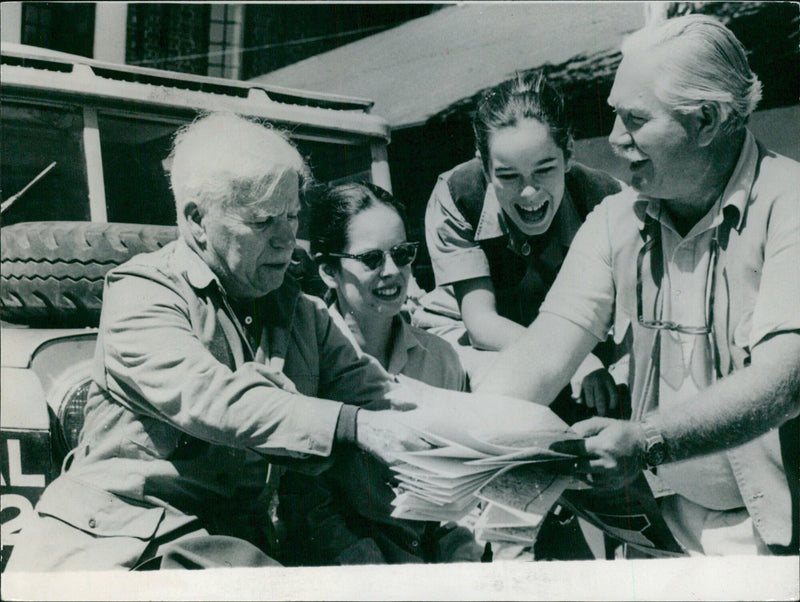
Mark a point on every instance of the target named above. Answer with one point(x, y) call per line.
point(488, 449)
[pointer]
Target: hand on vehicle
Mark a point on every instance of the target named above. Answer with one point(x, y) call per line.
point(380, 434)
point(599, 391)
point(614, 449)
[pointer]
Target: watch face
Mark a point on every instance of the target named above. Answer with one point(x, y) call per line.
point(655, 453)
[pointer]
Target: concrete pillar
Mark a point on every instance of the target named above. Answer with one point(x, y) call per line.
point(11, 22)
point(110, 28)
point(235, 69)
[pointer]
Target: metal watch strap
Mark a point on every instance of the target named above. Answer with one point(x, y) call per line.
point(655, 448)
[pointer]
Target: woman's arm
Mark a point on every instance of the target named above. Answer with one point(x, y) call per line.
point(487, 329)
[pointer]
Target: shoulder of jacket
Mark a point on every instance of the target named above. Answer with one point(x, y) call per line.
point(154, 265)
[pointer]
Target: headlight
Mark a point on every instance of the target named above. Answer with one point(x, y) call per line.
point(70, 413)
point(68, 399)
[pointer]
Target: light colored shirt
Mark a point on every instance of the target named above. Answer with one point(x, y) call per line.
point(417, 354)
point(686, 360)
point(756, 295)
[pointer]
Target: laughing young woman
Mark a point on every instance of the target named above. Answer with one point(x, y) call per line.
point(498, 227)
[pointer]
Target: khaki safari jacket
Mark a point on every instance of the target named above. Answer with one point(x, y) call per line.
point(180, 420)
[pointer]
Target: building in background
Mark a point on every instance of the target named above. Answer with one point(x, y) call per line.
point(424, 65)
point(236, 41)
point(426, 75)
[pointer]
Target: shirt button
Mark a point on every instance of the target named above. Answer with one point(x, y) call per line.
point(92, 523)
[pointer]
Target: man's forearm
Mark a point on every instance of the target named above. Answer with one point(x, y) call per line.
point(540, 363)
point(492, 332)
point(740, 407)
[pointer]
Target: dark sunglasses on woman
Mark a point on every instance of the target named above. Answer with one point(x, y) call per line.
point(402, 255)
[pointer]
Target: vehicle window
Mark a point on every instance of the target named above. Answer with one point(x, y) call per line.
point(136, 183)
point(337, 163)
point(33, 138)
point(334, 163)
point(135, 150)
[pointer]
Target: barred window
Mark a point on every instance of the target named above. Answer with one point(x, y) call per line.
point(224, 40)
point(43, 26)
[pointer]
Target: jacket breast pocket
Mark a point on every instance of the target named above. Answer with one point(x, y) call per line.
point(93, 529)
point(307, 383)
point(302, 367)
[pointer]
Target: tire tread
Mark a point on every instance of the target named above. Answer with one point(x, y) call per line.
point(52, 273)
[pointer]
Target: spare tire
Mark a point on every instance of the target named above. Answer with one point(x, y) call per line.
point(52, 272)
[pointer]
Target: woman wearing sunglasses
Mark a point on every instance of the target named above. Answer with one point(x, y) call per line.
point(498, 227)
point(358, 236)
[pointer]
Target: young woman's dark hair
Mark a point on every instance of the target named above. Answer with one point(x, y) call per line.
point(525, 96)
point(332, 211)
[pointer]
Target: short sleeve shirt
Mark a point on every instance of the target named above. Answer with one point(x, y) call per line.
point(756, 295)
point(596, 286)
point(522, 269)
point(417, 354)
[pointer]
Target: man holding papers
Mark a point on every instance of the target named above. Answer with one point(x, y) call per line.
point(697, 268)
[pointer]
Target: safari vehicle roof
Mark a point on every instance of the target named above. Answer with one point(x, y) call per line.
point(29, 72)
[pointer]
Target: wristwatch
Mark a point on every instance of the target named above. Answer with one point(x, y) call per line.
point(655, 450)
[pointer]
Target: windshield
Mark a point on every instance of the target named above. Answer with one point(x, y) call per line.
point(33, 138)
point(134, 146)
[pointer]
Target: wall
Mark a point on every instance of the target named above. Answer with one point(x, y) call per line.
point(11, 22)
point(110, 24)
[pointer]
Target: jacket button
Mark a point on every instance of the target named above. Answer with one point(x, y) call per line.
point(415, 544)
point(92, 523)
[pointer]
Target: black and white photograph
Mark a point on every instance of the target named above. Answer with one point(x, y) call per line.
point(400, 300)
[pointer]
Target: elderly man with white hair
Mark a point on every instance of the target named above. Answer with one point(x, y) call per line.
point(697, 267)
point(209, 364)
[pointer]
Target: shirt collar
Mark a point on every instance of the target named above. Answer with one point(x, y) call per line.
point(736, 193)
point(403, 340)
point(338, 319)
point(197, 272)
point(493, 223)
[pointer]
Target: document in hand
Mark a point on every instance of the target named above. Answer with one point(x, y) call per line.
point(500, 451)
point(481, 441)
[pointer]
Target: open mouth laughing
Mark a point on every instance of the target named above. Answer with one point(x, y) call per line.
point(532, 215)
